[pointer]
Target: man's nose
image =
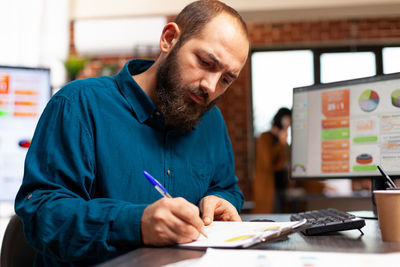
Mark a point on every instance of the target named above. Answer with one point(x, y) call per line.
point(209, 83)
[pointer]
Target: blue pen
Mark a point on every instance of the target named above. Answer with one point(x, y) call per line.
point(163, 191)
point(157, 185)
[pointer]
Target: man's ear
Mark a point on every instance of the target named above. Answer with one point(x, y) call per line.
point(169, 37)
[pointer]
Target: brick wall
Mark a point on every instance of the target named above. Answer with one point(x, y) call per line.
point(236, 104)
point(346, 32)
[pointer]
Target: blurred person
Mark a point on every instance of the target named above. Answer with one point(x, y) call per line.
point(271, 165)
point(271, 181)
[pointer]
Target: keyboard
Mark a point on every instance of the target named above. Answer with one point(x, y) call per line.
point(327, 221)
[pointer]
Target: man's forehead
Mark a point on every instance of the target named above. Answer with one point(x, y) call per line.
point(230, 38)
point(229, 21)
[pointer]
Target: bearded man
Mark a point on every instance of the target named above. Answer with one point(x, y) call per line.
point(84, 199)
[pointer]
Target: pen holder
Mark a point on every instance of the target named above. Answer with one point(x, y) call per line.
point(388, 207)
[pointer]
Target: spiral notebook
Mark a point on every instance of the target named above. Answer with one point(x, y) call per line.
point(242, 234)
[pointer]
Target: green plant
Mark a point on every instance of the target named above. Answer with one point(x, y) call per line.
point(73, 65)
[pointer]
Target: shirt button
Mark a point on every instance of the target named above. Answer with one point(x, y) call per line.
point(168, 172)
point(30, 196)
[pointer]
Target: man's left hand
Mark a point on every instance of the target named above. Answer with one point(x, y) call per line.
point(216, 208)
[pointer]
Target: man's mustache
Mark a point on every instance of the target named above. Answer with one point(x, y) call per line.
point(200, 92)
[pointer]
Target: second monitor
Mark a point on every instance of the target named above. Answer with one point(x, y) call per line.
point(344, 129)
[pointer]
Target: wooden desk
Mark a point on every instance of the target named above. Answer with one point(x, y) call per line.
point(346, 241)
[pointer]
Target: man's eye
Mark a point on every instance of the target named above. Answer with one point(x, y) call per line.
point(204, 63)
point(225, 80)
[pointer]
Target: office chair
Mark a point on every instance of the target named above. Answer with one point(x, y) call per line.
point(15, 250)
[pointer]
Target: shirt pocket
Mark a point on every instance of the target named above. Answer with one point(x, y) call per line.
point(194, 181)
point(200, 170)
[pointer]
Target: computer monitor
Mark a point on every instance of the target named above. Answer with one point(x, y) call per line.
point(24, 92)
point(344, 129)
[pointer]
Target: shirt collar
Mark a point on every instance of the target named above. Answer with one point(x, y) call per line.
point(139, 101)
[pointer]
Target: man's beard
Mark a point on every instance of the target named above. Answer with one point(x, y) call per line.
point(171, 97)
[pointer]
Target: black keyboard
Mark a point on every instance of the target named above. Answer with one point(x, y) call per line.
point(328, 220)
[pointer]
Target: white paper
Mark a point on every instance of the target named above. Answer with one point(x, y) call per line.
point(238, 234)
point(278, 258)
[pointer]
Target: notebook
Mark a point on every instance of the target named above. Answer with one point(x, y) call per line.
point(242, 234)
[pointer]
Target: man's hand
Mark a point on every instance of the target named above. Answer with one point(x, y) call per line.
point(170, 221)
point(216, 208)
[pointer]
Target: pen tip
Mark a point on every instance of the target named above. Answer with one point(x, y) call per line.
point(204, 234)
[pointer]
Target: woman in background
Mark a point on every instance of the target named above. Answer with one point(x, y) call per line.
point(271, 176)
point(272, 163)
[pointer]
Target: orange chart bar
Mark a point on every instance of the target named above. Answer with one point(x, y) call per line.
point(335, 167)
point(25, 114)
point(25, 92)
point(330, 145)
point(335, 123)
point(25, 103)
point(4, 84)
point(335, 156)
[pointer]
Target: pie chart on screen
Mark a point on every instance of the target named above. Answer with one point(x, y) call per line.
point(396, 98)
point(368, 100)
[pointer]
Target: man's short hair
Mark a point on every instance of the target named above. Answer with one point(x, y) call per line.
point(193, 18)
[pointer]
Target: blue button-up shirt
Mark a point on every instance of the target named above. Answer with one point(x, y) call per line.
point(83, 192)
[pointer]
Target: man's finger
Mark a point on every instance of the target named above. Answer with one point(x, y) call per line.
point(174, 230)
point(207, 207)
point(227, 212)
point(188, 213)
point(234, 216)
point(183, 232)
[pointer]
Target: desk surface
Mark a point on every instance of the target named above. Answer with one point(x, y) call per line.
point(346, 241)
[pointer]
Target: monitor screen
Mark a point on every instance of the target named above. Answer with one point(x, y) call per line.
point(344, 129)
point(24, 92)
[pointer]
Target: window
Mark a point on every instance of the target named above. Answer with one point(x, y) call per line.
point(274, 74)
point(391, 59)
point(346, 66)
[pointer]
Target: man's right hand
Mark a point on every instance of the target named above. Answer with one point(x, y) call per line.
point(170, 221)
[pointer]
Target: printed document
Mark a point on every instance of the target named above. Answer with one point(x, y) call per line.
point(242, 234)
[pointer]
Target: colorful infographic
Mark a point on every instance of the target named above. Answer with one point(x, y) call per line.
point(24, 93)
point(335, 132)
point(368, 100)
point(364, 158)
point(395, 98)
point(4, 88)
point(346, 129)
